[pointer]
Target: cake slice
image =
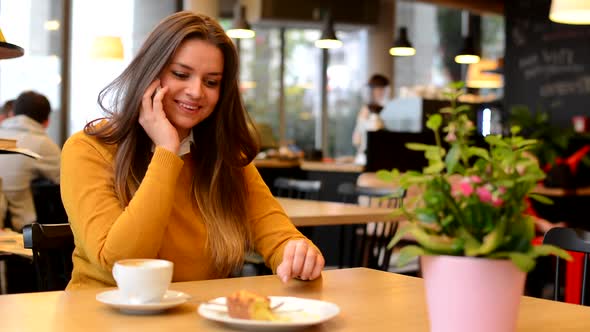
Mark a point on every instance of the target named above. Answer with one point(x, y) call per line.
point(248, 305)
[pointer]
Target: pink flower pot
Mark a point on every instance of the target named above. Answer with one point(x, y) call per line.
point(466, 294)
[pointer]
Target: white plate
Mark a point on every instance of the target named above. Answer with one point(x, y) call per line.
point(297, 312)
point(114, 299)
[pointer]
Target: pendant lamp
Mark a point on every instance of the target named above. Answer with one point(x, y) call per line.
point(402, 45)
point(570, 11)
point(328, 38)
point(468, 53)
point(240, 27)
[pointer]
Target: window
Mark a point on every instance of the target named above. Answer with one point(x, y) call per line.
point(259, 75)
point(36, 26)
point(129, 20)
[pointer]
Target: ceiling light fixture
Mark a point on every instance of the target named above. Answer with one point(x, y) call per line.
point(468, 53)
point(328, 38)
point(240, 27)
point(402, 45)
point(570, 11)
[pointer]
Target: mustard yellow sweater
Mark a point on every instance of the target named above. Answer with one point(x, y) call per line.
point(159, 222)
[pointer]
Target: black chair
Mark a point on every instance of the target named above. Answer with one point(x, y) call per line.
point(572, 240)
point(368, 242)
point(48, 205)
point(52, 247)
point(297, 188)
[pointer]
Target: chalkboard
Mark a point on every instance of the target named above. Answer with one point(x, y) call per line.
point(547, 64)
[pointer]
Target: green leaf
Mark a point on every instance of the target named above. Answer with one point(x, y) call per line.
point(526, 142)
point(541, 198)
point(386, 176)
point(434, 168)
point(434, 122)
point(514, 130)
point(436, 243)
point(457, 85)
point(400, 234)
point(479, 152)
point(462, 108)
point(546, 250)
point(493, 239)
point(419, 146)
point(524, 261)
point(408, 253)
point(453, 157)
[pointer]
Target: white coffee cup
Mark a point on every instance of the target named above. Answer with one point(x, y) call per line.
point(143, 280)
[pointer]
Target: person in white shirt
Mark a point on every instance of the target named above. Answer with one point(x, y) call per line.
point(31, 118)
point(368, 118)
point(6, 111)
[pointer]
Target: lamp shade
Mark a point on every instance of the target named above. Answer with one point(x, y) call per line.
point(107, 47)
point(468, 53)
point(8, 50)
point(570, 11)
point(481, 75)
point(402, 45)
point(240, 27)
point(328, 38)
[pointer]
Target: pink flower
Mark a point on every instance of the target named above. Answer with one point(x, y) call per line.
point(497, 201)
point(451, 137)
point(463, 187)
point(484, 194)
point(475, 179)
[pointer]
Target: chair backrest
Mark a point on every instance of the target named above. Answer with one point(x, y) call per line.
point(297, 188)
point(48, 205)
point(572, 240)
point(52, 247)
point(368, 242)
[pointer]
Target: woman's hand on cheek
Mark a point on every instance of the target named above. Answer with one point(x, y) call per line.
point(300, 260)
point(153, 118)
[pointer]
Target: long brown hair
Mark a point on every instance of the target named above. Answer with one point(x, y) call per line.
point(219, 185)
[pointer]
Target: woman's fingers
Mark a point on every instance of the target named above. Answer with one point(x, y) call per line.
point(301, 260)
point(146, 101)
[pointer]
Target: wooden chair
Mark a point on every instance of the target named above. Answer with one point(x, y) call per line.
point(368, 242)
point(575, 240)
point(52, 247)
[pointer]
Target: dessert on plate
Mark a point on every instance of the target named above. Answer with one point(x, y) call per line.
point(249, 305)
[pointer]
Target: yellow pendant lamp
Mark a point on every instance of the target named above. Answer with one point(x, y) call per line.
point(570, 11)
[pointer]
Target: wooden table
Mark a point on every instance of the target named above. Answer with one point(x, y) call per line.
point(320, 213)
point(369, 300)
point(12, 243)
point(302, 213)
point(561, 192)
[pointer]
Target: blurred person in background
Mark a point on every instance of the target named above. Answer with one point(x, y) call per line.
point(7, 110)
point(368, 118)
point(28, 127)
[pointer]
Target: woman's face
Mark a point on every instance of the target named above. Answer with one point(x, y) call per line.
point(193, 78)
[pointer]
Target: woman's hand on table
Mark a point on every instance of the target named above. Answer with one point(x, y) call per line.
point(301, 260)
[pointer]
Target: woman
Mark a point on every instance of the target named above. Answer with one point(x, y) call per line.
point(168, 174)
point(368, 118)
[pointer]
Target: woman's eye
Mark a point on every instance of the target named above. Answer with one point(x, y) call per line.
point(180, 74)
point(212, 83)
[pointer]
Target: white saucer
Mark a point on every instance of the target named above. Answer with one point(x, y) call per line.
point(114, 299)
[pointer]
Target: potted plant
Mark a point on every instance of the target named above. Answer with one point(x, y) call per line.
point(470, 223)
